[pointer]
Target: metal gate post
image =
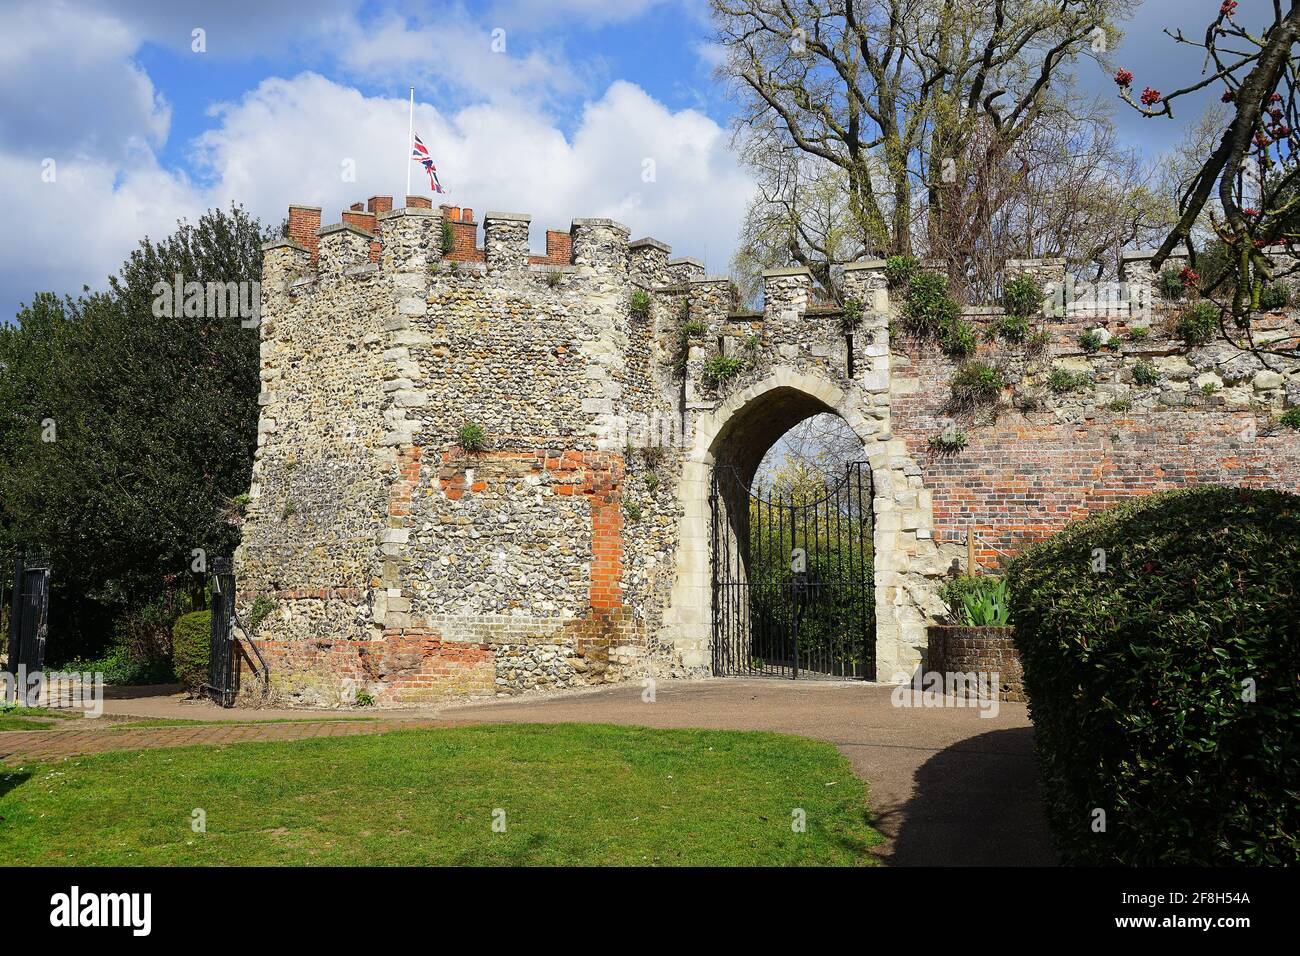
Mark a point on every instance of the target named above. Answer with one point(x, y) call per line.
point(16, 615)
point(222, 660)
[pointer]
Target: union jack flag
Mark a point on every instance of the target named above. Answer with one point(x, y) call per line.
point(420, 154)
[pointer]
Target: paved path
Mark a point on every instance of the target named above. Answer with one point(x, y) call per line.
point(947, 787)
point(19, 747)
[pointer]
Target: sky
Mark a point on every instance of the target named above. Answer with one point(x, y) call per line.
point(115, 124)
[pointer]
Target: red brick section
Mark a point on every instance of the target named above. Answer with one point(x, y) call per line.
point(598, 476)
point(412, 664)
point(559, 250)
point(22, 747)
point(984, 650)
point(362, 220)
point(419, 202)
point(378, 204)
point(1024, 477)
point(303, 223)
point(463, 232)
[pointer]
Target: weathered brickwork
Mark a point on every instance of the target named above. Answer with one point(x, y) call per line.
point(572, 548)
point(981, 651)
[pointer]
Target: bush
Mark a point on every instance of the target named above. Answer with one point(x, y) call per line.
point(721, 369)
point(448, 238)
point(1090, 340)
point(1290, 418)
point(471, 437)
point(948, 442)
point(899, 271)
point(1144, 373)
point(1063, 380)
point(1170, 284)
point(976, 382)
point(1135, 677)
point(1022, 297)
point(851, 317)
point(1197, 323)
point(1274, 297)
point(929, 307)
point(1010, 328)
point(957, 338)
point(640, 304)
point(977, 600)
point(191, 643)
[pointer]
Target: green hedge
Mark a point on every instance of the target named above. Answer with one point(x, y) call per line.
point(191, 644)
point(1135, 678)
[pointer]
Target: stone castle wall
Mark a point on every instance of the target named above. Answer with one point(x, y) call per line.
point(574, 547)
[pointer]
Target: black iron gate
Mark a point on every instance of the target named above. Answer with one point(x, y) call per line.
point(29, 612)
point(793, 592)
point(223, 665)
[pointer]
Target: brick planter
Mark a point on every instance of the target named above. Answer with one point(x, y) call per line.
point(984, 649)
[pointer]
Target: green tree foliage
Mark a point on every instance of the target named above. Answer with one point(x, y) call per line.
point(154, 423)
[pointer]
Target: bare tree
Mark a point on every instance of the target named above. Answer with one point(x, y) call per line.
point(894, 92)
point(1248, 185)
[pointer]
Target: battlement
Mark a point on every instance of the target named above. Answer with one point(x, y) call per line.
point(416, 236)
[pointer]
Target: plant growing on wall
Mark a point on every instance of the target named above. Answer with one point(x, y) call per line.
point(632, 511)
point(1144, 373)
point(1170, 284)
point(977, 383)
point(1063, 380)
point(1197, 323)
point(899, 271)
point(948, 442)
point(640, 304)
point(721, 369)
point(1139, 333)
point(448, 238)
point(851, 316)
point(1009, 328)
point(1290, 418)
point(957, 338)
point(1090, 340)
point(471, 437)
point(1023, 297)
point(1274, 297)
point(977, 600)
point(929, 306)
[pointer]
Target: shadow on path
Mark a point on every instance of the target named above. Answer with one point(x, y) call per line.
point(975, 803)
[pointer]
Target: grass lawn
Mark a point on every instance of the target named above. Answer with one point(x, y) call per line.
point(572, 794)
point(30, 718)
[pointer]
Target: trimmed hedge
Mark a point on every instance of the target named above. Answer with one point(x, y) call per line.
point(1135, 678)
point(191, 647)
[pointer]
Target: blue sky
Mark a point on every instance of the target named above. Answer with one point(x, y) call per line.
point(143, 130)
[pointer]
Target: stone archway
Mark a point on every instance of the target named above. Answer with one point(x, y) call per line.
point(907, 562)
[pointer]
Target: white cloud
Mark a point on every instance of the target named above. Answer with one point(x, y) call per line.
point(286, 142)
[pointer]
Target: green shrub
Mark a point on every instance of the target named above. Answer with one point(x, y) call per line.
point(1139, 678)
point(1090, 340)
point(1290, 418)
point(632, 511)
point(948, 442)
point(851, 316)
point(1144, 373)
point(977, 600)
point(471, 437)
point(957, 338)
point(929, 306)
point(977, 382)
point(1063, 380)
point(191, 644)
point(721, 369)
point(1010, 328)
point(640, 304)
point(1170, 284)
point(1023, 296)
point(1138, 333)
point(693, 329)
point(1274, 297)
point(899, 271)
point(448, 238)
point(1197, 324)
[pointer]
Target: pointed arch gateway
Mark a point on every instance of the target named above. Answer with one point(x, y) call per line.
point(731, 613)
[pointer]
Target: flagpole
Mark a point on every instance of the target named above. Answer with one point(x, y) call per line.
point(410, 138)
